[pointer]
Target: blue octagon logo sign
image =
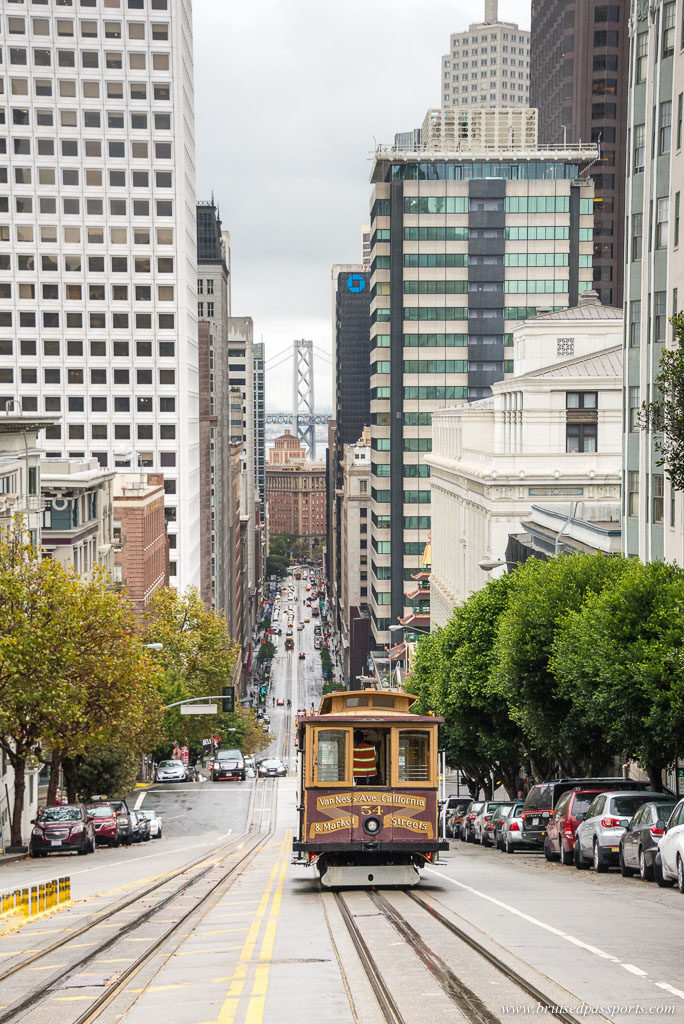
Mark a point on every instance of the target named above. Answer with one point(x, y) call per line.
point(356, 283)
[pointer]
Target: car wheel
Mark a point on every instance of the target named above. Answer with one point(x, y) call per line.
point(34, 854)
point(508, 846)
point(645, 870)
point(82, 850)
point(159, 834)
point(578, 860)
point(566, 856)
point(626, 872)
point(680, 875)
point(548, 852)
point(663, 882)
point(599, 865)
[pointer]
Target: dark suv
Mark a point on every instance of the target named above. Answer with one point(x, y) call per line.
point(542, 799)
point(228, 764)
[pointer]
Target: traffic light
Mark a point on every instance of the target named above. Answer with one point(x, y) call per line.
point(228, 699)
point(263, 690)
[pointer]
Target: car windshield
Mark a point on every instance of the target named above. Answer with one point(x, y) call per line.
point(229, 755)
point(582, 803)
point(626, 806)
point(490, 808)
point(539, 797)
point(168, 764)
point(270, 763)
point(100, 811)
point(502, 810)
point(62, 814)
point(150, 815)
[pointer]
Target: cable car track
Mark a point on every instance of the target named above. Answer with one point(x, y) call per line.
point(469, 1003)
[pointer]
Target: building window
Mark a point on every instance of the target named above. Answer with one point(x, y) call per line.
point(668, 22)
point(641, 56)
point(662, 222)
point(633, 492)
point(634, 408)
point(580, 437)
point(639, 148)
point(658, 498)
point(635, 323)
point(659, 315)
point(637, 235)
point(665, 133)
point(676, 220)
point(680, 114)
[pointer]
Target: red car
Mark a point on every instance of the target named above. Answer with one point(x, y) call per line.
point(280, 703)
point(572, 807)
point(60, 829)
point(106, 824)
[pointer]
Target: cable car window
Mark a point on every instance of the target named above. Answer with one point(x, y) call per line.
point(331, 755)
point(357, 702)
point(383, 702)
point(414, 756)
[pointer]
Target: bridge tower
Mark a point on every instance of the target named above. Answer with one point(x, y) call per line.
point(304, 420)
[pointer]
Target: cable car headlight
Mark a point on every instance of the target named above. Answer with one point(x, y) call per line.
point(372, 826)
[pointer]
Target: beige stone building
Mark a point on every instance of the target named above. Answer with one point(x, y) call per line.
point(488, 65)
point(78, 520)
point(295, 491)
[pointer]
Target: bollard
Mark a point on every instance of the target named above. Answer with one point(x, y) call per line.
point(51, 894)
point(26, 902)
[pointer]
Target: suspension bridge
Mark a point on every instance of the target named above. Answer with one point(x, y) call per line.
point(303, 417)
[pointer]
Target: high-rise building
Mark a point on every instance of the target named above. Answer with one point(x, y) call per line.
point(354, 530)
point(97, 252)
point(217, 583)
point(260, 416)
point(579, 51)
point(351, 388)
point(488, 65)
point(463, 249)
point(653, 526)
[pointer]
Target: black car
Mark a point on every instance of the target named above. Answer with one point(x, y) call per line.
point(124, 815)
point(542, 799)
point(229, 764)
point(639, 842)
point(453, 815)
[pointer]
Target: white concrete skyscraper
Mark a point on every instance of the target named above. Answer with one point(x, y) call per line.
point(98, 298)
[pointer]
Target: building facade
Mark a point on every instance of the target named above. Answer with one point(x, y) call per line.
point(488, 65)
point(141, 548)
point(354, 529)
point(463, 250)
point(295, 491)
point(260, 417)
point(97, 250)
point(78, 514)
point(579, 52)
point(653, 526)
point(551, 431)
point(21, 501)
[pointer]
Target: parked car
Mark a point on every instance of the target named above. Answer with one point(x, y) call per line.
point(230, 764)
point(140, 827)
point(317, 644)
point(171, 771)
point(123, 815)
point(482, 819)
point(469, 816)
point(302, 655)
point(493, 826)
point(639, 842)
point(542, 799)
point(108, 831)
point(500, 818)
point(66, 827)
point(250, 767)
point(572, 807)
point(597, 839)
point(669, 862)
point(280, 703)
point(155, 822)
point(512, 833)
point(453, 815)
point(271, 767)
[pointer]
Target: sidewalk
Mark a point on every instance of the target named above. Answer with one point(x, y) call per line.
point(11, 858)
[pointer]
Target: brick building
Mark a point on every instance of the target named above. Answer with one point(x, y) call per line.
point(295, 491)
point(141, 562)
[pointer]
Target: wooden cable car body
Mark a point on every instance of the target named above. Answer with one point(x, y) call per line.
point(359, 830)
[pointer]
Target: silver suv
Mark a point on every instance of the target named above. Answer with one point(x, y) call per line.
point(597, 839)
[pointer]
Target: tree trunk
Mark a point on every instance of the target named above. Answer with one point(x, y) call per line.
point(68, 770)
point(655, 775)
point(510, 781)
point(19, 765)
point(55, 763)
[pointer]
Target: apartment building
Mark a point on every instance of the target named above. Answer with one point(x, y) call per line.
point(141, 554)
point(260, 417)
point(97, 240)
point(579, 52)
point(464, 248)
point(488, 65)
point(653, 512)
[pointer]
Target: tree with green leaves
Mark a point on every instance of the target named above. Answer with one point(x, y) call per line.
point(619, 659)
point(665, 414)
point(197, 658)
point(280, 544)
point(545, 593)
point(71, 664)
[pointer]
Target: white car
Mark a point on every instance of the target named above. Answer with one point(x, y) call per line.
point(669, 861)
point(597, 839)
point(171, 771)
point(155, 821)
point(300, 626)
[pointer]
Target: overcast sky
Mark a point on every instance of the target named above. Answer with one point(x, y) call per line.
point(290, 99)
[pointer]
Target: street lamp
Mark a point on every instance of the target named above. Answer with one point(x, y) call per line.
point(498, 563)
point(154, 647)
point(410, 629)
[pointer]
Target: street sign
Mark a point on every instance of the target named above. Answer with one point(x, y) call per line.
point(680, 773)
point(198, 709)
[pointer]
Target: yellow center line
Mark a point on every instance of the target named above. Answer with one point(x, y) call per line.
point(203, 950)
